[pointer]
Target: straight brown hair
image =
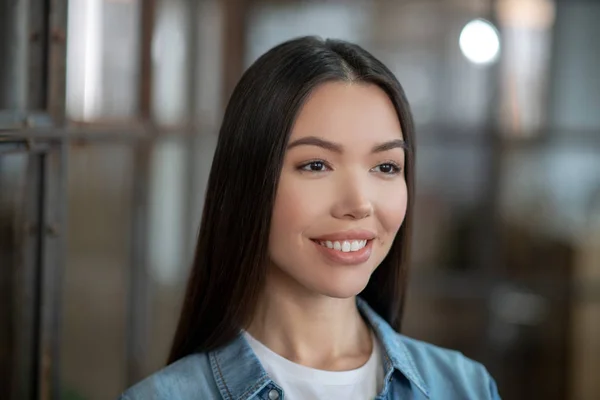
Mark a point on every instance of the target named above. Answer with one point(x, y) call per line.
point(229, 267)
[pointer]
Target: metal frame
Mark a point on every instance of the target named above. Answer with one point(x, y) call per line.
point(40, 30)
point(46, 139)
point(138, 281)
point(25, 376)
point(40, 271)
point(38, 277)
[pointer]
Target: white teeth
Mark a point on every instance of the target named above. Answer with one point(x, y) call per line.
point(345, 246)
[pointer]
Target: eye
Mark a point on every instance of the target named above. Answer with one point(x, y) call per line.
point(387, 168)
point(314, 166)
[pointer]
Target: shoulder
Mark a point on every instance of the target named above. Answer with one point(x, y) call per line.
point(445, 371)
point(189, 378)
point(431, 358)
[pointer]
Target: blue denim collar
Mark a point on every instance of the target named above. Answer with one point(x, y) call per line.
point(396, 354)
point(240, 376)
point(236, 369)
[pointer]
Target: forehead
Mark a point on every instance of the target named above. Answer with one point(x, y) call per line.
point(343, 110)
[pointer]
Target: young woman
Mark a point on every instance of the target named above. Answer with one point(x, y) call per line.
point(298, 283)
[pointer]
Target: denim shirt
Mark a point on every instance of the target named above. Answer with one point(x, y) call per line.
point(413, 370)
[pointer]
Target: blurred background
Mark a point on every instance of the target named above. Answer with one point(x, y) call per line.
point(109, 115)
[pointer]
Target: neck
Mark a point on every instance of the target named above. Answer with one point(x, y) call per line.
point(310, 329)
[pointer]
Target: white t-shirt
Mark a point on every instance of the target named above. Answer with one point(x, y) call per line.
point(303, 383)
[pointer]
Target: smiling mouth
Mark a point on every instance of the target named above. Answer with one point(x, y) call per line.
point(344, 246)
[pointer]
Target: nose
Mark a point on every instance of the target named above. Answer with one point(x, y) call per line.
point(353, 202)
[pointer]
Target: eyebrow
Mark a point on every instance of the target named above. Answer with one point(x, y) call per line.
point(338, 148)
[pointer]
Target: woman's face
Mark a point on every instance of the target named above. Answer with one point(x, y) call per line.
point(342, 194)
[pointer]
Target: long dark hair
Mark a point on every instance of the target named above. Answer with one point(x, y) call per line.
point(229, 268)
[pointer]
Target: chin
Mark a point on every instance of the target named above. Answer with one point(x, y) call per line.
point(338, 289)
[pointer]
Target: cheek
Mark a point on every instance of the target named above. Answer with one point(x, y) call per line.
point(296, 208)
point(392, 208)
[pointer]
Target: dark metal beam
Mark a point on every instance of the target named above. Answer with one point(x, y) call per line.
point(235, 27)
point(14, 26)
point(138, 277)
point(57, 61)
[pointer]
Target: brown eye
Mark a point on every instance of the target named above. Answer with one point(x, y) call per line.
point(314, 166)
point(387, 169)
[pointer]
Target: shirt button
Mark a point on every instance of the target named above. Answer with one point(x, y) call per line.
point(273, 395)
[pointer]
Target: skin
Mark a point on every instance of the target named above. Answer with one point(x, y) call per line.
point(307, 312)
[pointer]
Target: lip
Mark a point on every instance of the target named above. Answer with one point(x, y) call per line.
point(353, 234)
point(349, 258)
